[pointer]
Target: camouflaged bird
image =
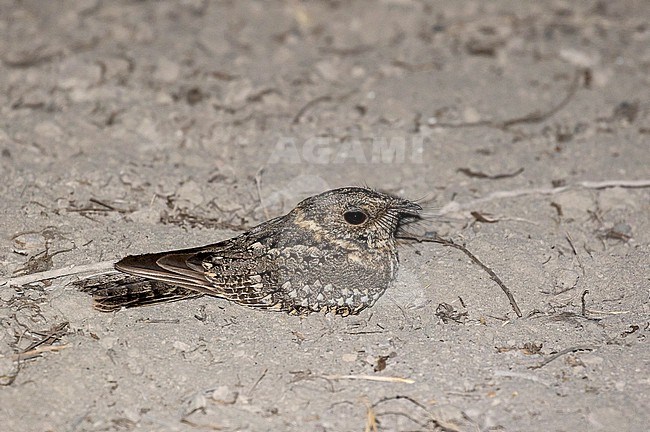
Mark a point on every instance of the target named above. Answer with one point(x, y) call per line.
point(335, 252)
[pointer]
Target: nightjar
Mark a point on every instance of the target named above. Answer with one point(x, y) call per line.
point(335, 252)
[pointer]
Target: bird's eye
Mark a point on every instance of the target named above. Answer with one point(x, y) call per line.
point(355, 217)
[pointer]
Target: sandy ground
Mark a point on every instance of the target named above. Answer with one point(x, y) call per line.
point(135, 126)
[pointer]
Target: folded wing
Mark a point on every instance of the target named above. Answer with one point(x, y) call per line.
point(246, 277)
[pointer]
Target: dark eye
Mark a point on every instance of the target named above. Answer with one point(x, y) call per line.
point(355, 217)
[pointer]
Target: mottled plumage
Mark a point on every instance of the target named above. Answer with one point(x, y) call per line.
point(335, 252)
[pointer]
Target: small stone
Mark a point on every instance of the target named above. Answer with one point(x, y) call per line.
point(132, 414)
point(135, 366)
point(181, 346)
point(608, 419)
point(146, 216)
point(8, 369)
point(48, 130)
point(575, 205)
point(78, 74)
point(28, 243)
point(579, 58)
point(358, 72)
point(565, 279)
point(167, 70)
point(108, 342)
point(190, 191)
point(115, 67)
point(148, 129)
point(224, 395)
point(237, 92)
point(6, 294)
point(592, 360)
point(328, 69)
point(471, 115)
point(198, 402)
point(623, 229)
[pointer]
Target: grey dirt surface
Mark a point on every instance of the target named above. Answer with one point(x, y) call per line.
point(139, 126)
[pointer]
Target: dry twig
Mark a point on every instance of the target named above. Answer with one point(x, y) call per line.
point(479, 174)
point(37, 352)
point(301, 112)
point(584, 303)
point(533, 117)
point(370, 378)
point(100, 267)
point(431, 417)
point(371, 418)
point(537, 116)
point(453, 207)
point(488, 270)
point(561, 353)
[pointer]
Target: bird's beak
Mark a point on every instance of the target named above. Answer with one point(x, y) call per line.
point(406, 207)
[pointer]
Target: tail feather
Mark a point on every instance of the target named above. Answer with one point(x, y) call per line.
point(115, 291)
